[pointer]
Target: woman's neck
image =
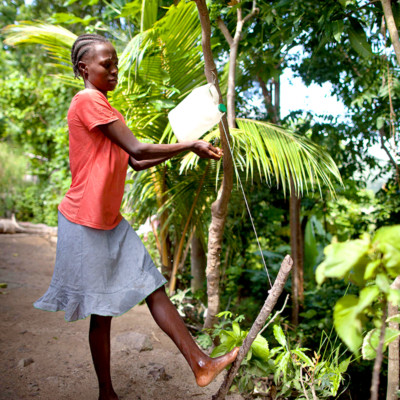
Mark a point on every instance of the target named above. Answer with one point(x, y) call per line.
point(89, 85)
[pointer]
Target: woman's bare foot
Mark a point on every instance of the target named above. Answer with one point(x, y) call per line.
point(213, 366)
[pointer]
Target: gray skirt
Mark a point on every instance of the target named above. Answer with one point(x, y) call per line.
point(99, 272)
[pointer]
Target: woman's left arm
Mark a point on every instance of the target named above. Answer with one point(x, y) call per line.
point(145, 164)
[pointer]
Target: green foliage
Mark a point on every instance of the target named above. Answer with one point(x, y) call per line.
point(371, 263)
point(32, 117)
point(12, 172)
point(295, 374)
point(371, 342)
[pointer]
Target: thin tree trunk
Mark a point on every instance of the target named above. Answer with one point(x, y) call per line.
point(391, 25)
point(267, 99)
point(296, 245)
point(198, 264)
point(277, 102)
point(393, 364)
point(266, 310)
point(165, 243)
point(178, 255)
point(233, 53)
point(231, 95)
point(219, 208)
point(378, 358)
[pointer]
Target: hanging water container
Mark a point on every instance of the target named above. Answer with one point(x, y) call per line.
point(196, 114)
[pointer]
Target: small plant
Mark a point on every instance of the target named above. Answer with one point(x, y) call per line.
point(281, 371)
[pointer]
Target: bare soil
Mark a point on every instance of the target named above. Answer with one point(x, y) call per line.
point(43, 356)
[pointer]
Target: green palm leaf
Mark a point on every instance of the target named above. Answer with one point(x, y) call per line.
point(56, 40)
point(275, 152)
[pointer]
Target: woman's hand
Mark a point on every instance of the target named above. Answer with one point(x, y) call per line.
point(206, 150)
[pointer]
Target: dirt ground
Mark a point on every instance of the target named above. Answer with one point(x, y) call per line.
point(45, 357)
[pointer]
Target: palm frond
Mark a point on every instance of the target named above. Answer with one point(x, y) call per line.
point(56, 40)
point(275, 152)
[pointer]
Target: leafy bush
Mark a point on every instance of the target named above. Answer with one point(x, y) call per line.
point(286, 372)
point(370, 263)
point(12, 172)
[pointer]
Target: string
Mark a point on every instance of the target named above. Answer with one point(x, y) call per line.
point(246, 202)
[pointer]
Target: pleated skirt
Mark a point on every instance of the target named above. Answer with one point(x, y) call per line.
point(103, 272)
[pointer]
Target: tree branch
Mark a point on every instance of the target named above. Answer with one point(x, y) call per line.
point(253, 13)
point(391, 159)
point(225, 31)
point(266, 310)
point(379, 358)
point(391, 24)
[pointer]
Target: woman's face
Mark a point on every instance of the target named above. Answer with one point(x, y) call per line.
point(100, 68)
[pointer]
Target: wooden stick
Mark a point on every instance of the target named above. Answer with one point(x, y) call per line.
point(266, 310)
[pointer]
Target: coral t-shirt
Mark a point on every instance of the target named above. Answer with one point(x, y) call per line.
point(98, 166)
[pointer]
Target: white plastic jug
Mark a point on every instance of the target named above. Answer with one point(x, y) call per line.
point(196, 114)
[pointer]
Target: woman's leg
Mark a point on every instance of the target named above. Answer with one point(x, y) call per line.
point(99, 340)
point(167, 317)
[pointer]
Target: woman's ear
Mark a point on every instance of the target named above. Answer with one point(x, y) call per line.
point(82, 69)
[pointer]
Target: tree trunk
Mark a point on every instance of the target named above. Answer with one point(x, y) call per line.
point(165, 242)
point(231, 95)
point(267, 100)
point(393, 364)
point(296, 244)
point(198, 264)
point(391, 25)
point(277, 102)
point(219, 208)
point(378, 359)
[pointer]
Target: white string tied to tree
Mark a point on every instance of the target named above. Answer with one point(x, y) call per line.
point(193, 117)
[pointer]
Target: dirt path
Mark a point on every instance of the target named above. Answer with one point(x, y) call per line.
point(45, 357)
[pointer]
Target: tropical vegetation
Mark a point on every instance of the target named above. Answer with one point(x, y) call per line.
point(312, 184)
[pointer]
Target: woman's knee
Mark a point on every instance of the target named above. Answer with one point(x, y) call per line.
point(99, 322)
point(157, 295)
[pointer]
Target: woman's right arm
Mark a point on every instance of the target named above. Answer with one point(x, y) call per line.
point(120, 134)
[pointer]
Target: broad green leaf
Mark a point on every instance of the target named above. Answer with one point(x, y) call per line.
point(358, 39)
point(367, 297)
point(348, 316)
point(344, 365)
point(371, 342)
point(346, 259)
point(394, 318)
point(279, 335)
point(338, 29)
point(388, 234)
point(310, 245)
point(236, 329)
point(260, 348)
point(282, 364)
point(347, 322)
point(371, 268)
point(387, 241)
point(383, 282)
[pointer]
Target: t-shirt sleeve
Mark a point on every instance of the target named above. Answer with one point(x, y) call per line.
point(93, 109)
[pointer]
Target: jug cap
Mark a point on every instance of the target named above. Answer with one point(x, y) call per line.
point(222, 108)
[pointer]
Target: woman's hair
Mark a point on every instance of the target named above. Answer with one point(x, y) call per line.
point(81, 46)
